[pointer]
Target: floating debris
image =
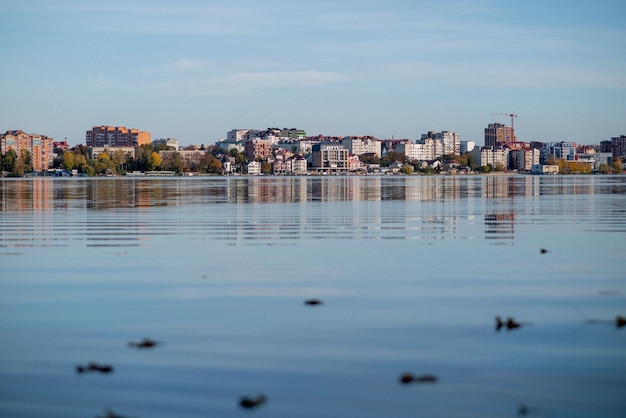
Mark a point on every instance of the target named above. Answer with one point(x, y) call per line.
point(251, 402)
point(110, 414)
point(406, 378)
point(312, 302)
point(145, 343)
point(95, 367)
point(509, 324)
point(525, 410)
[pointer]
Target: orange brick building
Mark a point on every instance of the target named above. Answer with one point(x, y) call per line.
point(116, 136)
point(40, 147)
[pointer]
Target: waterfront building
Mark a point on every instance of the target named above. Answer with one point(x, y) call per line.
point(497, 157)
point(227, 144)
point(558, 150)
point(423, 150)
point(451, 141)
point(359, 145)
point(192, 158)
point(498, 133)
point(170, 143)
point(95, 152)
point(467, 146)
point(116, 136)
point(618, 147)
point(40, 147)
point(331, 157)
point(255, 148)
point(254, 168)
point(523, 159)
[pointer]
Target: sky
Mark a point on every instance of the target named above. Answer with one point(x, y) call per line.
point(195, 69)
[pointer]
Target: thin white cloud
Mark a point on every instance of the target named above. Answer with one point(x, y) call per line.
point(283, 78)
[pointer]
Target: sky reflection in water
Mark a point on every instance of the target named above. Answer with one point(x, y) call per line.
point(411, 270)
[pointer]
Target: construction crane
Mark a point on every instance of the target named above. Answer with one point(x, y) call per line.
point(512, 115)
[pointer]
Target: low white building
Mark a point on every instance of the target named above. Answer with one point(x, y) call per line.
point(496, 157)
point(254, 168)
point(94, 152)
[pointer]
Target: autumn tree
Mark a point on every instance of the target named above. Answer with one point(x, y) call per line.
point(154, 161)
point(173, 162)
point(68, 160)
point(24, 163)
point(616, 165)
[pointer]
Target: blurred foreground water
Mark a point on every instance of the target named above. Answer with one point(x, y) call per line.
point(411, 272)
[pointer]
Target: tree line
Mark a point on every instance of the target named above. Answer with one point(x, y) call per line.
point(117, 162)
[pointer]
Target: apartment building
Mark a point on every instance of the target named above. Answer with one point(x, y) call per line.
point(255, 148)
point(40, 147)
point(116, 136)
point(425, 149)
point(523, 159)
point(359, 145)
point(290, 166)
point(618, 147)
point(498, 133)
point(451, 141)
point(497, 157)
point(558, 150)
point(330, 157)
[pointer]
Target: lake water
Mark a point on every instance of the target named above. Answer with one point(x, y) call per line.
point(411, 272)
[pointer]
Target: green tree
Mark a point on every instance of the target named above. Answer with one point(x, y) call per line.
point(266, 167)
point(9, 160)
point(143, 154)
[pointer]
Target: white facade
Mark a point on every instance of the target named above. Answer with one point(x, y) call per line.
point(94, 152)
point(362, 145)
point(467, 146)
point(236, 135)
point(424, 150)
point(451, 141)
point(496, 157)
point(526, 158)
point(254, 168)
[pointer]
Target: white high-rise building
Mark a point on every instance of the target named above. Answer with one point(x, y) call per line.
point(451, 141)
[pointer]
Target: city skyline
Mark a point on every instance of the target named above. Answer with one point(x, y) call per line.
point(194, 70)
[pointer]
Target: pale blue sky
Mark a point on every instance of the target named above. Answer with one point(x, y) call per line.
point(193, 69)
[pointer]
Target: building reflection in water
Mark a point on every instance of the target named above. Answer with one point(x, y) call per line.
point(253, 208)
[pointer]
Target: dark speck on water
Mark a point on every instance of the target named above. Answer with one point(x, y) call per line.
point(406, 378)
point(145, 343)
point(108, 413)
point(251, 402)
point(312, 302)
point(95, 367)
point(509, 324)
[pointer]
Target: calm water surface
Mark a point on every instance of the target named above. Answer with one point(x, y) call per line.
point(411, 270)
